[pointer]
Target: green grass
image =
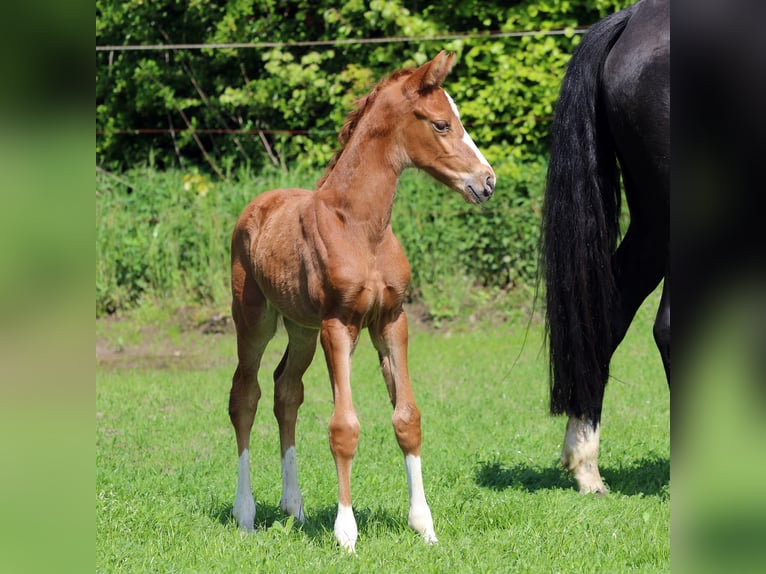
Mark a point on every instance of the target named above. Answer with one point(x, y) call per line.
point(166, 461)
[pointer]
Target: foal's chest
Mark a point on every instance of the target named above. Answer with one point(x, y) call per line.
point(373, 283)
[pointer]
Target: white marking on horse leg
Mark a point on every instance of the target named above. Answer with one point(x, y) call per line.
point(346, 531)
point(420, 514)
point(580, 455)
point(292, 501)
point(244, 504)
point(467, 138)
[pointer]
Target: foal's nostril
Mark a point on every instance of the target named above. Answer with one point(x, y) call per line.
point(489, 186)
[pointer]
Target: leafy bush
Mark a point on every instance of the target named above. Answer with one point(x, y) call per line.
point(290, 101)
point(166, 234)
point(494, 243)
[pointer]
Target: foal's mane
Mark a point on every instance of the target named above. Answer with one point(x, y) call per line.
point(361, 106)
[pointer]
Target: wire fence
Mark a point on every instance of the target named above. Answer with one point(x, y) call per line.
point(343, 41)
point(289, 132)
point(261, 132)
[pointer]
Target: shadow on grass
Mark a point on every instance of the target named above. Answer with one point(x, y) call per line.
point(497, 476)
point(319, 523)
point(647, 476)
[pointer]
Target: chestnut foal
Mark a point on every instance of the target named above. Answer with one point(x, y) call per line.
point(328, 262)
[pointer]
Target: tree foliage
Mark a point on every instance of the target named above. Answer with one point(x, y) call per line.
point(290, 100)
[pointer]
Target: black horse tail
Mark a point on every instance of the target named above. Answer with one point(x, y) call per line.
point(580, 227)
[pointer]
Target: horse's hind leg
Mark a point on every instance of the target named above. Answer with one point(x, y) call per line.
point(288, 397)
point(390, 339)
point(255, 321)
point(638, 265)
point(580, 454)
point(662, 326)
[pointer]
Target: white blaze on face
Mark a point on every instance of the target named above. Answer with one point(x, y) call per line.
point(466, 138)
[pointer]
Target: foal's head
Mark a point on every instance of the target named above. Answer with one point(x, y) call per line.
point(431, 135)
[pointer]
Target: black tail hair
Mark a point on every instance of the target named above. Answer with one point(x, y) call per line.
point(580, 226)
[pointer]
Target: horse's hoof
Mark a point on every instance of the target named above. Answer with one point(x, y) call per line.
point(430, 537)
point(423, 524)
point(293, 508)
point(597, 489)
point(346, 531)
point(244, 513)
point(346, 540)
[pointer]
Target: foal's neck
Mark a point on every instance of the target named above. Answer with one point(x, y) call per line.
point(362, 184)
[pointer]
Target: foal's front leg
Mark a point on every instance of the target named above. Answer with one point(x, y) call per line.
point(390, 339)
point(338, 341)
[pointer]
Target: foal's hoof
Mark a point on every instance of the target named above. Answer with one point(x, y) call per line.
point(596, 488)
point(346, 541)
point(346, 531)
point(244, 513)
point(293, 507)
point(423, 524)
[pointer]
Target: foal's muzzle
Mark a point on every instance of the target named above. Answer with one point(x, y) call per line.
point(480, 188)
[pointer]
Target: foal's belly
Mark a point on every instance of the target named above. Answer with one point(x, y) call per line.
point(308, 295)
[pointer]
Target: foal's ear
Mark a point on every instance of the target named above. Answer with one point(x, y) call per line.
point(431, 74)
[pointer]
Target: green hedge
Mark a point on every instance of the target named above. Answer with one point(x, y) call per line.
point(163, 231)
point(299, 95)
point(165, 234)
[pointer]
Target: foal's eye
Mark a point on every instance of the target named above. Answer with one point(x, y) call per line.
point(441, 126)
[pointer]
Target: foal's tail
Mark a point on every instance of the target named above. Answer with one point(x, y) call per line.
point(580, 225)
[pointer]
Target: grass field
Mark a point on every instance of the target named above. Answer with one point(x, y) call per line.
point(166, 460)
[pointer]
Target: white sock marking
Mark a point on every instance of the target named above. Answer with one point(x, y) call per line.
point(420, 514)
point(292, 501)
point(580, 454)
point(244, 504)
point(346, 531)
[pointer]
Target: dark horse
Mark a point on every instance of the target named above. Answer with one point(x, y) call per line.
point(612, 118)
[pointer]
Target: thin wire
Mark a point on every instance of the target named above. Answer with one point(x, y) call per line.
point(223, 131)
point(338, 42)
point(140, 131)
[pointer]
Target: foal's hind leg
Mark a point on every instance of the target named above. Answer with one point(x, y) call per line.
point(256, 323)
point(390, 339)
point(288, 397)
